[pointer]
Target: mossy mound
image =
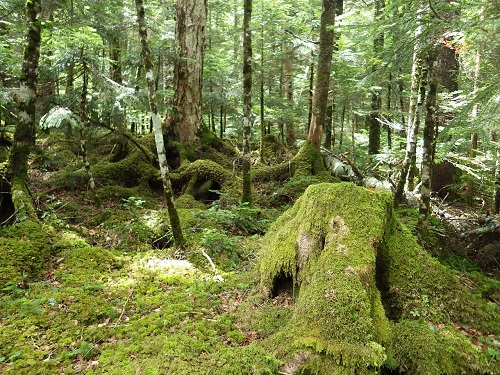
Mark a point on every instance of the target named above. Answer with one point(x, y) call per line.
point(24, 252)
point(131, 171)
point(307, 162)
point(274, 150)
point(203, 179)
point(343, 257)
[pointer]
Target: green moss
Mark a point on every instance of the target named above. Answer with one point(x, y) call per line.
point(353, 265)
point(128, 172)
point(188, 201)
point(424, 349)
point(24, 252)
point(326, 243)
point(308, 161)
point(196, 174)
point(419, 286)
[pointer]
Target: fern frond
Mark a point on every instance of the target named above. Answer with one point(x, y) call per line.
point(58, 116)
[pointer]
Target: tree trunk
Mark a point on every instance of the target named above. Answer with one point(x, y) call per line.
point(496, 176)
point(329, 130)
point(388, 107)
point(413, 120)
point(262, 125)
point(115, 67)
point(400, 104)
point(290, 133)
point(247, 99)
point(376, 100)
point(158, 133)
point(83, 121)
point(24, 134)
point(320, 97)
point(342, 122)
point(190, 39)
point(430, 124)
point(310, 91)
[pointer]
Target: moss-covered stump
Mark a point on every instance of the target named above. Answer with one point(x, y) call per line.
point(344, 257)
point(203, 178)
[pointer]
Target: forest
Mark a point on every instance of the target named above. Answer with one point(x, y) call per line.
point(249, 187)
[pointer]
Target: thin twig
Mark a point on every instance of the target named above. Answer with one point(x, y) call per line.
point(124, 307)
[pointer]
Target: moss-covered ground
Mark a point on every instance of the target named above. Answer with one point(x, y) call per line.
point(97, 287)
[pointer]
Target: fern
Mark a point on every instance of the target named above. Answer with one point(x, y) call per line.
point(58, 116)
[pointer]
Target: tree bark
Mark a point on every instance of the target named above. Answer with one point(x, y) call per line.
point(24, 134)
point(474, 138)
point(115, 67)
point(247, 99)
point(310, 91)
point(413, 119)
point(262, 125)
point(188, 69)
point(158, 133)
point(430, 124)
point(320, 98)
point(376, 100)
point(83, 121)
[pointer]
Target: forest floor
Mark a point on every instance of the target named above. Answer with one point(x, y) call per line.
point(106, 293)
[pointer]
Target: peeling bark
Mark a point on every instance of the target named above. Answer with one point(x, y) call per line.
point(190, 39)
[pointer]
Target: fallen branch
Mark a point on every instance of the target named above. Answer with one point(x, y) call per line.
point(217, 276)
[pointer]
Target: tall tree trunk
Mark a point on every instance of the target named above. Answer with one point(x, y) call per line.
point(262, 125)
point(388, 107)
point(83, 122)
point(329, 129)
point(413, 120)
point(376, 100)
point(290, 133)
point(188, 69)
point(430, 124)
point(158, 133)
point(24, 134)
point(247, 99)
point(400, 105)
point(342, 122)
point(310, 91)
point(115, 67)
point(320, 97)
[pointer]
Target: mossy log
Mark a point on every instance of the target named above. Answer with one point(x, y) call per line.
point(359, 278)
